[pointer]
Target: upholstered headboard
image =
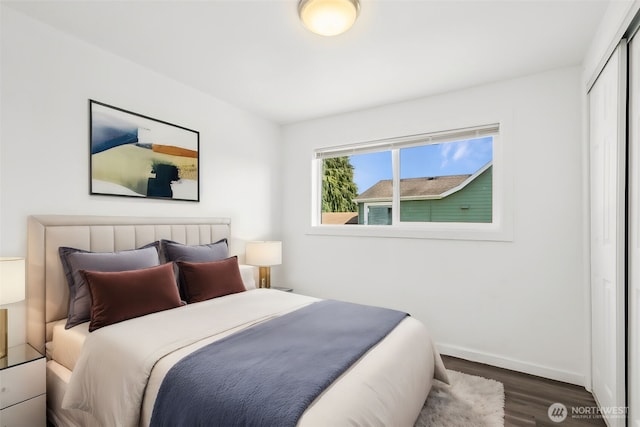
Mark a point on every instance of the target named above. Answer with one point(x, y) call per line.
point(47, 289)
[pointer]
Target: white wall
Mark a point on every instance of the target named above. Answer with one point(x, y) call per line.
point(517, 304)
point(47, 78)
point(612, 28)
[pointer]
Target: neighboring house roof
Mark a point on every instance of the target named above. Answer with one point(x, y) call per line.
point(339, 217)
point(436, 187)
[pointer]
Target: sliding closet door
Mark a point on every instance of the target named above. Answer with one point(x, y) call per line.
point(607, 110)
point(634, 232)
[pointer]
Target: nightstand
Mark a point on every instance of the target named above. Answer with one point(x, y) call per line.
point(23, 401)
point(280, 288)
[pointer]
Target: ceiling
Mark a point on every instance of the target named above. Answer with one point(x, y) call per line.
point(258, 56)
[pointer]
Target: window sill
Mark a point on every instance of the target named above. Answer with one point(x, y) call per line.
point(475, 232)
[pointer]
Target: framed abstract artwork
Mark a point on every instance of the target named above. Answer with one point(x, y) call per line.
point(138, 156)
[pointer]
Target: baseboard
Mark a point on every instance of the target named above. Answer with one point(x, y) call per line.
point(512, 364)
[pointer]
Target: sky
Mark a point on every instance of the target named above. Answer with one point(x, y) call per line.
point(450, 158)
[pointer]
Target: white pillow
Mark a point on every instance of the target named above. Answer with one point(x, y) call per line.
point(247, 272)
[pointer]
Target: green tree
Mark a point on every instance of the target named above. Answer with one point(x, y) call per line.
point(338, 188)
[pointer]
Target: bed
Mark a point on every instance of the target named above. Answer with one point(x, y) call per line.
point(387, 385)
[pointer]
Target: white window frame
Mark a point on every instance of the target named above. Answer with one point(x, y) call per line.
point(500, 229)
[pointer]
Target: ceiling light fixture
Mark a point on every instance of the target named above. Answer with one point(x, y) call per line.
point(328, 17)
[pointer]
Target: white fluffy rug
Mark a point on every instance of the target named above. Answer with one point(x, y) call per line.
point(469, 401)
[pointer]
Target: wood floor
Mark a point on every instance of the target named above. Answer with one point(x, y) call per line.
point(527, 398)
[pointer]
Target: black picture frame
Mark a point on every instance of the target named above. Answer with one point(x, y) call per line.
point(132, 155)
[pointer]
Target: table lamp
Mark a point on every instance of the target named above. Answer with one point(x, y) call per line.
point(11, 290)
point(264, 254)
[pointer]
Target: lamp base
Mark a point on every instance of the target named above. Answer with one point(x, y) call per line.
point(264, 280)
point(3, 332)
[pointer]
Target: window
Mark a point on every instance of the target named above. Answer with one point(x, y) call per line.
point(447, 182)
point(437, 180)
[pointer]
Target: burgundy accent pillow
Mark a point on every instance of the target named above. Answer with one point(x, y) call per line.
point(118, 296)
point(73, 260)
point(206, 280)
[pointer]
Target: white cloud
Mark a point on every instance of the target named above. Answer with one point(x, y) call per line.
point(462, 150)
point(444, 152)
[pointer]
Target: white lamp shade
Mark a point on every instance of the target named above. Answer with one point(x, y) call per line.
point(12, 279)
point(328, 17)
point(264, 254)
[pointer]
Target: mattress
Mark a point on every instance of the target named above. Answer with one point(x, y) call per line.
point(387, 386)
point(67, 344)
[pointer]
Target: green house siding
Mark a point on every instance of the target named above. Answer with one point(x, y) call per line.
point(416, 210)
point(473, 203)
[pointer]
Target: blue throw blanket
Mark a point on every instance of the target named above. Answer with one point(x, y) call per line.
point(269, 374)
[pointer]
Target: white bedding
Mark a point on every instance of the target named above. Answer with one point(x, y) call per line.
point(387, 386)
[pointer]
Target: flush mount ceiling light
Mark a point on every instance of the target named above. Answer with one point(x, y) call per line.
point(328, 17)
